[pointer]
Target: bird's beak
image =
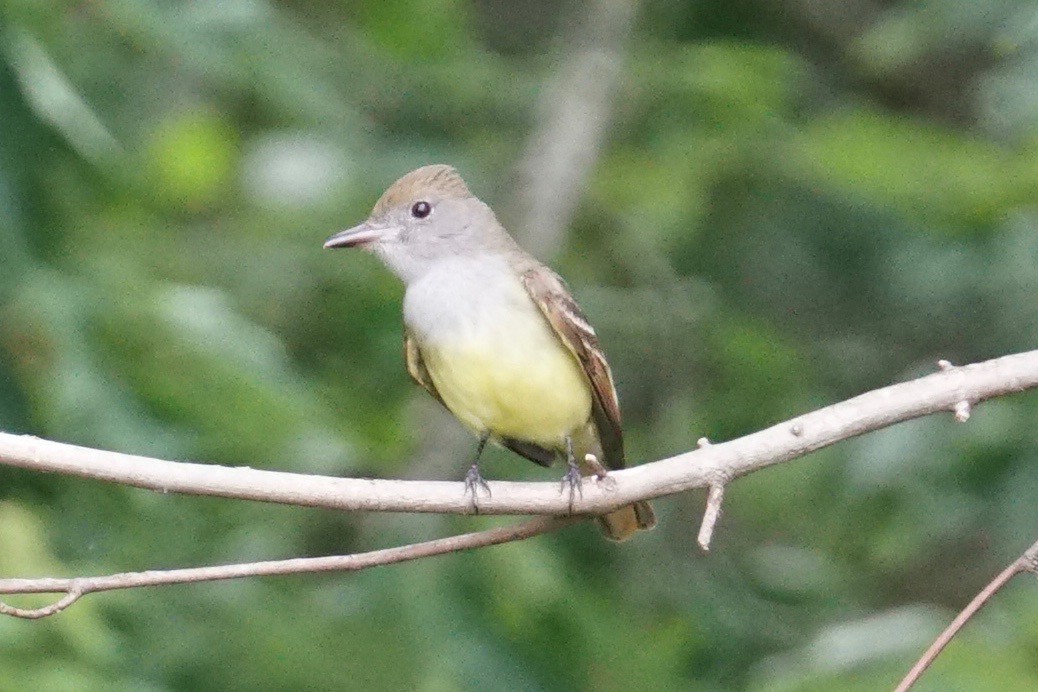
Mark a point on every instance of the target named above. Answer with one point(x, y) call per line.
point(358, 236)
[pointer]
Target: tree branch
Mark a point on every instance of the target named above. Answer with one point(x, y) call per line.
point(703, 467)
point(952, 389)
point(80, 586)
point(573, 116)
point(1028, 562)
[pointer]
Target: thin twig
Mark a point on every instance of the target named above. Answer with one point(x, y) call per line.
point(1028, 562)
point(710, 516)
point(963, 409)
point(72, 594)
point(76, 587)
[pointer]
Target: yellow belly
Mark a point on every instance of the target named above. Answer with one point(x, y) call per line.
point(518, 381)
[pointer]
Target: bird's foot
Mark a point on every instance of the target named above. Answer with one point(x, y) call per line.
point(474, 482)
point(574, 481)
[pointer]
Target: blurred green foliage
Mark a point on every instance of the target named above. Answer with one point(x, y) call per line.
point(795, 204)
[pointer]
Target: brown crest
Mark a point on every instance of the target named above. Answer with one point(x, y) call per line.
point(438, 180)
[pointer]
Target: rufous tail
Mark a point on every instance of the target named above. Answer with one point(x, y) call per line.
point(621, 524)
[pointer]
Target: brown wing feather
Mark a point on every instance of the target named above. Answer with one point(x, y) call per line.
point(533, 452)
point(567, 319)
point(416, 368)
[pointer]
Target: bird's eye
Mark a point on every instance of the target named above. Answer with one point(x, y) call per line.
point(421, 209)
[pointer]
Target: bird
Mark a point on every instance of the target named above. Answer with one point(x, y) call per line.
point(496, 336)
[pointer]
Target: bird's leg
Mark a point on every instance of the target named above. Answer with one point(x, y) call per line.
point(573, 479)
point(473, 479)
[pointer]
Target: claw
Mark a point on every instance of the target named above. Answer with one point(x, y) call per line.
point(474, 481)
point(572, 478)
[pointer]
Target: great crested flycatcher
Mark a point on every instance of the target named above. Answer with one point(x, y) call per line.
point(494, 335)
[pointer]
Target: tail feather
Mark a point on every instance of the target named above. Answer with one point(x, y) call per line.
point(621, 524)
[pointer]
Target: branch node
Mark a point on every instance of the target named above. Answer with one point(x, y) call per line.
point(797, 429)
point(962, 410)
point(945, 365)
point(600, 471)
point(1029, 560)
point(702, 442)
point(711, 514)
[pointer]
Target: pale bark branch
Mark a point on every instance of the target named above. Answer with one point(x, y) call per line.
point(708, 466)
point(714, 499)
point(941, 391)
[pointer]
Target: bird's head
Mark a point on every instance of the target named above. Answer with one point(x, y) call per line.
point(424, 217)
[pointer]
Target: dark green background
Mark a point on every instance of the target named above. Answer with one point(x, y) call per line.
point(795, 201)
